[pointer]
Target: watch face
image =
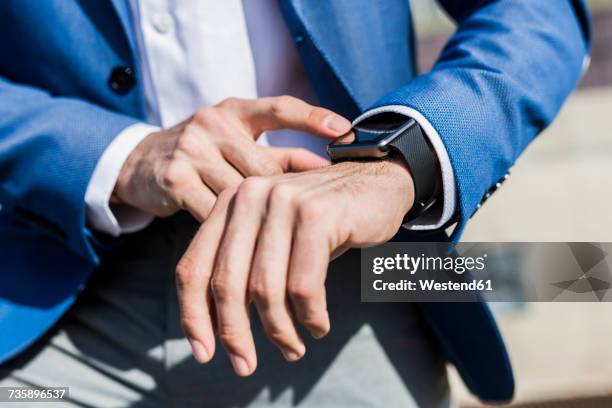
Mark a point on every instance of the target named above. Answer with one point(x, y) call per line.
point(373, 134)
point(370, 139)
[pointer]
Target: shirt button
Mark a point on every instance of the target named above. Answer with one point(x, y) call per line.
point(163, 22)
point(122, 80)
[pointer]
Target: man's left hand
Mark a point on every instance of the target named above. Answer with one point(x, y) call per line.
point(270, 241)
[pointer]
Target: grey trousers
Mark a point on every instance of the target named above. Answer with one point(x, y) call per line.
point(121, 345)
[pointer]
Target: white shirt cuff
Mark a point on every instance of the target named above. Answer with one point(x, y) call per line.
point(121, 218)
point(439, 215)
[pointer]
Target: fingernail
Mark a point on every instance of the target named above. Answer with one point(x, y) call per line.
point(291, 355)
point(337, 123)
point(240, 365)
point(199, 351)
point(317, 335)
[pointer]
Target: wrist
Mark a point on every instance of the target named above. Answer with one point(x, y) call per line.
point(114, 198)
point(101, 190)
point(401, 179)
point(122, 184)
point(390, 175)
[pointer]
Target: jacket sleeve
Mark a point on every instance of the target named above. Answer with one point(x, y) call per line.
point(500, 80)
point(49, 147)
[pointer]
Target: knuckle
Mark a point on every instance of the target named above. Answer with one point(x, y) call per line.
point(282, 194)
point(231, 142)
point(270, 168)
point(221, 289)
point(259, 292)
point(250, 189)
point(188, 141)
point(309, 210)
point(231, 338)
point(230, 102)
point(281, 104)
point(314, 115)
point(277, 335)
point(227, 337)
point(231, 185)
point(206, 117)
point(227, 194)
point(184, 273)
point(264, 292)
point(301, 290)
point(173, 174)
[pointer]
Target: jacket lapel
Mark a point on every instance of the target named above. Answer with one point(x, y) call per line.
point(310, 23)
point(360, 48)
point(123, 12)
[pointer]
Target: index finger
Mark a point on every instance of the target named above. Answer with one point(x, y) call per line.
point(287, 112)
point(295, 159)
point(193, 274)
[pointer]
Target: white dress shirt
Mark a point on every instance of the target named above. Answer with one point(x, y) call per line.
point(196, 53)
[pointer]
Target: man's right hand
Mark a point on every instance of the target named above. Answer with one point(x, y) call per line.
point(188, 165)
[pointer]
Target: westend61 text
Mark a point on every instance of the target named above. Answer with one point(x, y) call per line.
point(432, 285)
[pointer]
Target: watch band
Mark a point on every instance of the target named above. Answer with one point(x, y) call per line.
point(412, 146)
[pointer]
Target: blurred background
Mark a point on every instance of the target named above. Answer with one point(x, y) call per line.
point(560, 190)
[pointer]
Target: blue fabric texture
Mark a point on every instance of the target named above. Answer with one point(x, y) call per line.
point(500, 90)
point(500, 80)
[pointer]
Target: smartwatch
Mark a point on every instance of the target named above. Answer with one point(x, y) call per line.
point(393, 134)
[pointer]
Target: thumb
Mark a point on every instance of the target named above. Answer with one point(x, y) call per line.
point(295, 159)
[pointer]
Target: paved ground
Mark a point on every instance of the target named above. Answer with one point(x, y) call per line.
point(560, 190)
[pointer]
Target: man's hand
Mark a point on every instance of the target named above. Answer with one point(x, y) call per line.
point(270, 241)
point(187, 166)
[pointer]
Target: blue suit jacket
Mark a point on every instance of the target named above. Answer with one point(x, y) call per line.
point(500, 80)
